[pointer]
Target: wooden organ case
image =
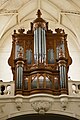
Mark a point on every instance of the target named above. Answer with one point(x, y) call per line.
point(40, 59)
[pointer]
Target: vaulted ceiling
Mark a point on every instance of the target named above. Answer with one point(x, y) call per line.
point(65, 14)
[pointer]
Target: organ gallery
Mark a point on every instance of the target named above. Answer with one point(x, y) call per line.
point(40, 59)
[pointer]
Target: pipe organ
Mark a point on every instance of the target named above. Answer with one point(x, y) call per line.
point(40, 59)
point(39, 45)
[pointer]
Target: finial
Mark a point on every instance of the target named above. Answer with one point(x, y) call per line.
point(60, 31)
point(21, 31)
point(39, 13)
point(14, 31)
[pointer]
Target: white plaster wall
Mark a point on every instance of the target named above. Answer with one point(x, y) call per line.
point(5, 70)
point(74, 70)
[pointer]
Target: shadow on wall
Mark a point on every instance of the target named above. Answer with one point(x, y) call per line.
point(42, 117)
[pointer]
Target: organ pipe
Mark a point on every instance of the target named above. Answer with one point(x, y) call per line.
point(39, 45)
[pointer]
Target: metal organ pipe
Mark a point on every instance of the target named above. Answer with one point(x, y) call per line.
point(39, 45)
point(62, 69)
point(19, 77)
point(44, 46)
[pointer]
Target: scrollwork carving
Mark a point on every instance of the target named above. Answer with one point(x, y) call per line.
point(64, 102)
point(18, 102)
point(2, 108)
point(41, 106)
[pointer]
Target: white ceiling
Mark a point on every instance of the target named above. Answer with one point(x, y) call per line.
point(65, 14)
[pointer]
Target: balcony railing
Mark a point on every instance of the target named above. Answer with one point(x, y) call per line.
point(8, 88)
point(74, 87)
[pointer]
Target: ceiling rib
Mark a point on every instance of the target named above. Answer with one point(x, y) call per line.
point(74, 5)
point(22, 20)
point(60, 19)
point(78, 42)
point(58, 9)
point(53, 5)
point(4, 29)
point(73, 35)
point(55, 20)
point(4, 4)
point(70, 12)
point(39, 4)
point(74, 32)
point(17, 19)
point(8, 12)
point(70, 22)
point(67, 29)
point(24, 5)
